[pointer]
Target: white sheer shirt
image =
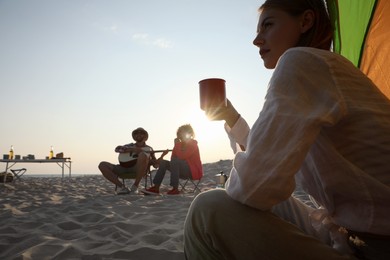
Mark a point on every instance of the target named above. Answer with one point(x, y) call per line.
point(325, 125)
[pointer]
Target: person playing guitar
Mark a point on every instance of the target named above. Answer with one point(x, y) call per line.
point(134, 158)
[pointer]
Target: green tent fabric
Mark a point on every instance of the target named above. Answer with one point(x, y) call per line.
point(362, 34)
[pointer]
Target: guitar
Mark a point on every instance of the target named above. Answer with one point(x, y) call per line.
point(128, 160)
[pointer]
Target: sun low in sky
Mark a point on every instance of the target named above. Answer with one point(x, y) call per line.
point(80, 75)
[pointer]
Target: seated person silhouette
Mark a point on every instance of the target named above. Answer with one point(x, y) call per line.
point(134, 160)
point(185, 162)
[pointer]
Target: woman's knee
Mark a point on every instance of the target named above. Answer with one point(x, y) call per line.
point(212, 196)
point(215, 205)
point(208, 202)
point(202, 207)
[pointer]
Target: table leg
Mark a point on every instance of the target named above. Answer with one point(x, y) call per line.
point(62, 170)
point(5, 173)
point(70, 168)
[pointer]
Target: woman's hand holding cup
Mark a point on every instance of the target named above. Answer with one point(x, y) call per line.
point(228, 113)
point(213, 101)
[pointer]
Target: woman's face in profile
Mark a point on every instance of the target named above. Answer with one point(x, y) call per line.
point(277, 31)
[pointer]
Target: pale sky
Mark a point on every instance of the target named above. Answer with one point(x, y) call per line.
point(80, 75)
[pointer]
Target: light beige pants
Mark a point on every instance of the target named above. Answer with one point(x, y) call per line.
point(218, 227)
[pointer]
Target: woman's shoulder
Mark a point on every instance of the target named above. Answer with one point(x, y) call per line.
point(314, 54)
point(307, 57)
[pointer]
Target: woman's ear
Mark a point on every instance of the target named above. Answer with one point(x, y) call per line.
point(307, 20)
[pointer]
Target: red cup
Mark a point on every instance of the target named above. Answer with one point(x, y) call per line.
point(212, 93)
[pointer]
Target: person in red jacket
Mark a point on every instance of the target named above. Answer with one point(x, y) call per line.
point(185, 162)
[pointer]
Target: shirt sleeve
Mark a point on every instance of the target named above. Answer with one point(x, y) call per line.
point(301, 99)
point(238, 134)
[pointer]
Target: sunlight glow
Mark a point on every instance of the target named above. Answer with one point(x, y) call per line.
point(205, 130)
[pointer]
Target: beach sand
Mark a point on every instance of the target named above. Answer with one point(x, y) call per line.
point(82, 218)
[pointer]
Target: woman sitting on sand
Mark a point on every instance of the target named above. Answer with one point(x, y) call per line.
point(325, 126)
point(185, 162)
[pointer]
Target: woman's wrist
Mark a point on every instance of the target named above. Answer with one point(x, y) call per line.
point(232, 119)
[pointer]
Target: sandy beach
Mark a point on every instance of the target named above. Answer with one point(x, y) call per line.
point(82, 218)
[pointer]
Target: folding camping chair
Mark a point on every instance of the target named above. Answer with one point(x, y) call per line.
point(125, 177)
point(190, 180)
point(18, 173)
